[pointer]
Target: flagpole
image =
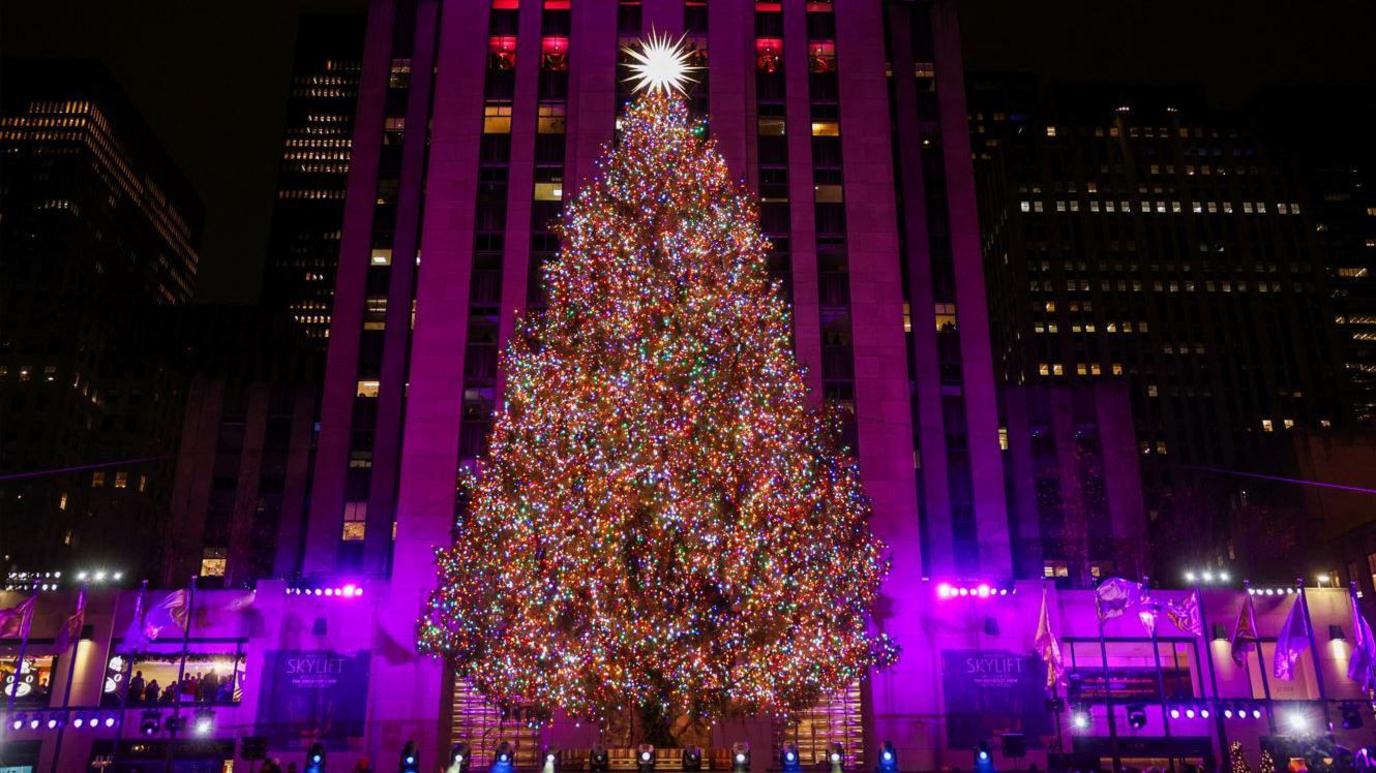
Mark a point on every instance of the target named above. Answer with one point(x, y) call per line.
point(1314, 653)
point(71, 673)
point(1261, 662)
point(181, 673)
point(1108, 702)
point(129, 664)
point(25, 626)
point(1160, 677)
point(1213, 674)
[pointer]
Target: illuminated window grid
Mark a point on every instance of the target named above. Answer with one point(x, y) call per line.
point(477, 722)
point(836, 720)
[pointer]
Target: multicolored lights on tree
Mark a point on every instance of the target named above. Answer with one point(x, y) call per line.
point(662, 522)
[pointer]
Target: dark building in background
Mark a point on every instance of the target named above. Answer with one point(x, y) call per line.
point(243, 458)
point(308, 216)
point(1338, 162)
point(99, 234)
point(1131, 234)
point(1074, 483)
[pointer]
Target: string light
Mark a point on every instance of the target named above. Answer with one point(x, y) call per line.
point(661, 519)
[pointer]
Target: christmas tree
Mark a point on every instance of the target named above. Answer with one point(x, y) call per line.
point(1237, 763)
point(662, 522)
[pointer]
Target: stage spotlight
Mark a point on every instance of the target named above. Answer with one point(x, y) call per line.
point(836, 756)
point(458, 758)
point(110, 721)
point(78, 721)
point(984, 760)
point(888, 758)
point(505, 759)
point(1137, 716)
point(149, 723)
point(315, 758)
point(645, 758)
point(52, 723)
point(1256, 713)
point(1175, 713)
point(18, 722)
point(789, 760)
point(205, 722)
point(740, 757)
point(1227, 713)
point(1205, 713)
point(1352, 716)
point(598, 760)
point(34, 723)
point(1189, 713)
point(692, 759)
point(1080, 718)
point(551, 760)
point(410, 758)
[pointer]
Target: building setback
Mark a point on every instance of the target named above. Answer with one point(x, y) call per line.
point(308, 214)
point(476, 121)
point(99, 234)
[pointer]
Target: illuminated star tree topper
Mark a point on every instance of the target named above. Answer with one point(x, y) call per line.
point(660, 63)
point(662, 523)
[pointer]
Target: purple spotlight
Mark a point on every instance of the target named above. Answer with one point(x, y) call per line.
point(944, 590)
point(982, 591)
point(109, 721)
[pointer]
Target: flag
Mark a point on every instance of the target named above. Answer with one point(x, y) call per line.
point(1244, 638)
point(1115, 596)
point(1361, 667)
point(169, 613)
point(1185, 615)
point(1049, 647)
point(134, 638)
point(15, 621)
point(71, 627)
point(1292, 640)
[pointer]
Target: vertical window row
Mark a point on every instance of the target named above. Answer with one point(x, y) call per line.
point(833, 260)
point(772, 142)
point(489, 225)
point(548, 194)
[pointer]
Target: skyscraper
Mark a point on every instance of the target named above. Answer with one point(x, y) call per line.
point(1133, 234)
point(99, 231)
point(308, 215)
point(476, 120)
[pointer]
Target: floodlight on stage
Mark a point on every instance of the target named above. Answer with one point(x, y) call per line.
point(315, 758)
point(149, 723)
point(504, 760)
point(645, 758)
point(740, 757)
point(205, 722)
point(789, 760)
point(836, 757)
point(551, 760)
point(1137, 716)
point(888, 758)
point(410, 758)
point(598, 760)
point(458, 758)
point(692, 759)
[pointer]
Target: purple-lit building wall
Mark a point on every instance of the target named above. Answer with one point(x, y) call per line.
point(300, 659)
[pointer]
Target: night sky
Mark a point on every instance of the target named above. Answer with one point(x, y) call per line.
point(211, 78)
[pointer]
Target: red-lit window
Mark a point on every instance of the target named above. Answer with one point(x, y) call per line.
point(769, 54)
point(556, 5)
point(501, 52)
point(821, 56)
point(769, 6)
point(554, 54)
point(819, 6)
point(505, 5)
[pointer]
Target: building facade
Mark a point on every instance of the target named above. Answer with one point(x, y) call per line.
point(1074, 483)
point(476, 121)
point(93, 217)
point(1131, 234)
point(308, 214)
